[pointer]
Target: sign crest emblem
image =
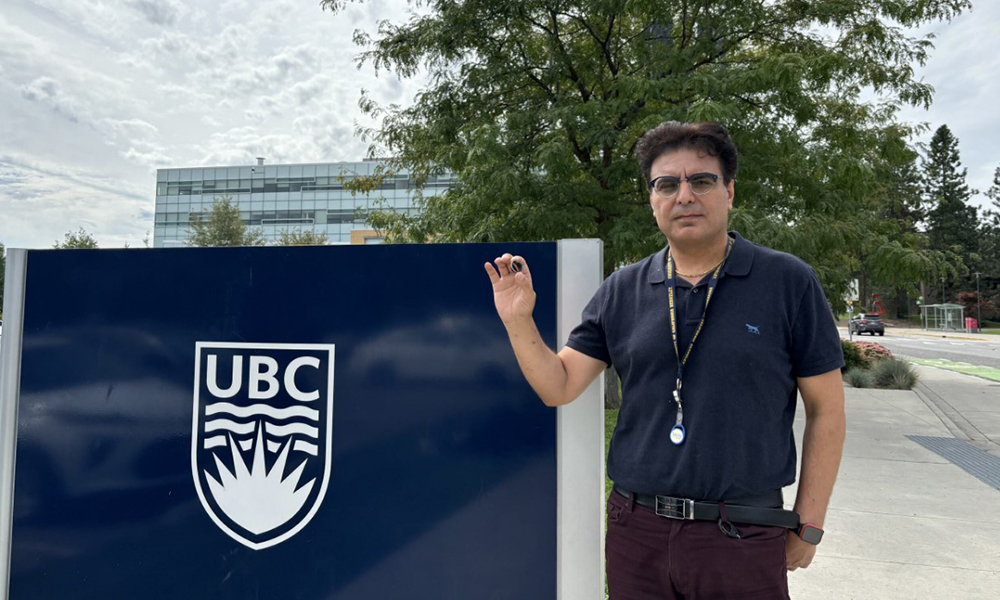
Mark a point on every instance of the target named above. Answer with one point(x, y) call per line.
point(261, 441)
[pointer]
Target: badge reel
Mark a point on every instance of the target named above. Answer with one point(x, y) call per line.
point(677, 432)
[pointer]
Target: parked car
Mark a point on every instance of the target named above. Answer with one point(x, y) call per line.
point(867, 323)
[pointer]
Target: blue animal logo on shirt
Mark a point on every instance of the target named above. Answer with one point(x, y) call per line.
point(752, 329)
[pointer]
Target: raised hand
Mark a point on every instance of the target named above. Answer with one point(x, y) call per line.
point(513, 294)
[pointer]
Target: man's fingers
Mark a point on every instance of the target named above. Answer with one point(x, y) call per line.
point(502, 266)
point(508, 265)
point(494, 276)
point(522, 265)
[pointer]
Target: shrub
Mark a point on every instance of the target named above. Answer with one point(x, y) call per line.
point(852, 356)
point(859, 378)
point(870, 351)
point(893, 374)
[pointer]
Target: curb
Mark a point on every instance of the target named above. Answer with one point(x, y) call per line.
point(937, 336)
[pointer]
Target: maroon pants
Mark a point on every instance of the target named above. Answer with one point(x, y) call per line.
point(651, 557)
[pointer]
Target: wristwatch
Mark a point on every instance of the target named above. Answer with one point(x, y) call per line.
point(810, 534)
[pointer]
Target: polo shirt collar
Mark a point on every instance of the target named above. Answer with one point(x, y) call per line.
point(739, 263)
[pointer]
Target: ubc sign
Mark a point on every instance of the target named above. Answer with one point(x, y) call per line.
point(158, 455)
point(261, 436)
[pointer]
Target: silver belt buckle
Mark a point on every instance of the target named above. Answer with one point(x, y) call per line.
point(675, 508)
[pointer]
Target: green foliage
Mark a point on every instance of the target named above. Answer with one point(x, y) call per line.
point(852, 356)
point(989, 234)
point(301, 238)
point(223, 227)
point(76, 240)
point(859, 378)
point(953, 223)
point(535, 105)
point(610, 419)
point(860, 355)
point(870, 351)
point(893, 374)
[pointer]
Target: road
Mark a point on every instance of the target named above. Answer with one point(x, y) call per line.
point(984, 353)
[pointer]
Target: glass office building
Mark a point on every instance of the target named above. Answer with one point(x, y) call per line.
point(276, 198)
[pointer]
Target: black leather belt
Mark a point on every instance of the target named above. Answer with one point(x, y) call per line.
point(759, 510)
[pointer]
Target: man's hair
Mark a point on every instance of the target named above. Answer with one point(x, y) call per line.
point(711, 138)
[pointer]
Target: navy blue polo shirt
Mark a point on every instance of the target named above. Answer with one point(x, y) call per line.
point(767, 324)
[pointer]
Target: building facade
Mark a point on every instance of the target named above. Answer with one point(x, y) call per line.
point(276, 198)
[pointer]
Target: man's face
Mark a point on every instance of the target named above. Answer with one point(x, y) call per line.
point(689, 218)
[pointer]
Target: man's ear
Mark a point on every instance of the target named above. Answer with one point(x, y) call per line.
point(731, 191)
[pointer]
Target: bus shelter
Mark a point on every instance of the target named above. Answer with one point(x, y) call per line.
point(944, 317)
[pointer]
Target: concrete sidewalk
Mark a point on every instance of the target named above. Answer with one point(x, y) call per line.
point(905, 522)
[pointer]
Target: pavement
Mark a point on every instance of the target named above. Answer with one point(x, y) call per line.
point(916, 509)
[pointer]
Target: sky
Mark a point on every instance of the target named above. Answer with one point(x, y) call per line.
point(97, 94)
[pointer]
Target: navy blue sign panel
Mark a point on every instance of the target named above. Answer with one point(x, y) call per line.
point(294, 423)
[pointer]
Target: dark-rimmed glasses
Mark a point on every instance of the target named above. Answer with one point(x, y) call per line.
point(667, 186)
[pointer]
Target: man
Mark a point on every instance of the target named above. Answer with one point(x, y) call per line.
point(712, 338)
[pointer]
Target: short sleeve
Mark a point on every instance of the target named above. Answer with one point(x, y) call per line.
point(589, 336)
point(815, 340)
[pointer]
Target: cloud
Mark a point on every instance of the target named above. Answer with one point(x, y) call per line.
point(41, 202)
point(152, 158)
point(159, 12)
point(48, 92)
point(131, 128)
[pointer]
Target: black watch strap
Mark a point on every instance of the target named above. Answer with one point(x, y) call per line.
point(810, 534)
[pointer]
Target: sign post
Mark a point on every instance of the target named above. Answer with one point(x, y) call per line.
point(850, 313)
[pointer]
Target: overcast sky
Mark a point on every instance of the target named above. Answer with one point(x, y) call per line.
point(96, 94)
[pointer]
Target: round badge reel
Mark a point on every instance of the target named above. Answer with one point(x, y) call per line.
point(677, 435)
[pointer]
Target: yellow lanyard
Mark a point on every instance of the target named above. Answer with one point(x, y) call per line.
point(678, 433)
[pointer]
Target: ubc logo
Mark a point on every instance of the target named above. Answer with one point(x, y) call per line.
point(261, 439)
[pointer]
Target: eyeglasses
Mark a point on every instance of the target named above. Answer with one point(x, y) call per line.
point(667, 186)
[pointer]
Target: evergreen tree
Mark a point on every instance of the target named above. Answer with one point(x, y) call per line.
point(989, 238)
point(952, 221)
point(993, 213)
point(223, 227)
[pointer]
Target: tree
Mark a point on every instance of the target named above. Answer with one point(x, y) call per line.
point(989, 232)
point(223, 227)
point(535, 105)
point(76, 240)
point(301, 238)
point(952, 221)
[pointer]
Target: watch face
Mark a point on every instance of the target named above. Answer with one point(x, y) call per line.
point(810, 534)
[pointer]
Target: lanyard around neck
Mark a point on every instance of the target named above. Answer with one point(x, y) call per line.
point(671, 292)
